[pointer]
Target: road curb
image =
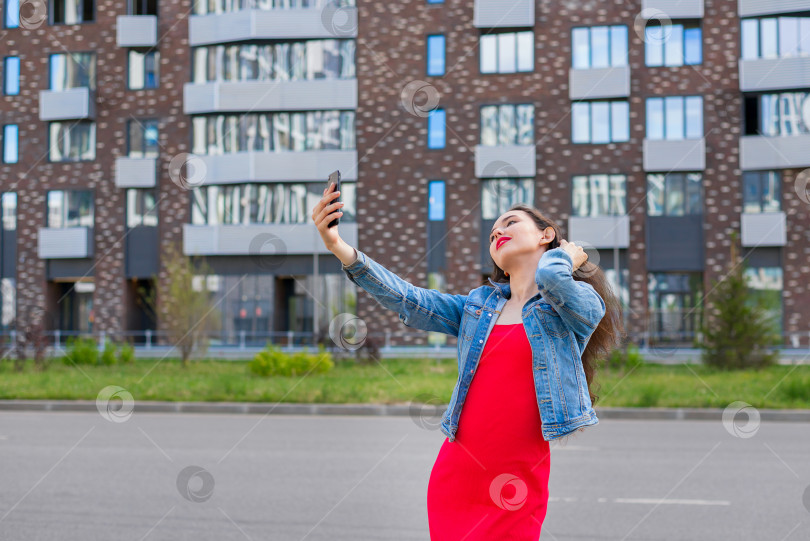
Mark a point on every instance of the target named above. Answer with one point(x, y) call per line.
point(707, 414)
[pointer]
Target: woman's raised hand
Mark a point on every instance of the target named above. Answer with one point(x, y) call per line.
point(324, 213)
point(578, 255)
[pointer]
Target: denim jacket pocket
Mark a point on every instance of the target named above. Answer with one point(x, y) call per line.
point(472, 316)
point(552, 321)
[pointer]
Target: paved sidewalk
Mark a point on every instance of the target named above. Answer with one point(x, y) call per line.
point(802, 416)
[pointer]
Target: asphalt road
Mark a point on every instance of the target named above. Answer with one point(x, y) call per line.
point(77, 476)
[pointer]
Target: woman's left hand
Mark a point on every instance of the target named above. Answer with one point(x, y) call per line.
point(577, 254)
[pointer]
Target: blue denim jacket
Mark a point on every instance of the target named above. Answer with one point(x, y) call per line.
point(559, 321)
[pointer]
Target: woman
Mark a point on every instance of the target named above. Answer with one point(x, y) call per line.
point(531, 339)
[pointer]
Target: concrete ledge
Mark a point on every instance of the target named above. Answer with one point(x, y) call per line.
point(704, 414)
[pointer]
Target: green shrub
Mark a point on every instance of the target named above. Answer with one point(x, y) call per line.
point(108, 354)
point(626, 358)
point(271, 361)
point(81, 351)
point(126, 354)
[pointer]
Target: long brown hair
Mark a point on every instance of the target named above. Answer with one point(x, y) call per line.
point(610, 331)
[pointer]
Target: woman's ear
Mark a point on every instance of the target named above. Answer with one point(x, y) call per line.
point(548, 235)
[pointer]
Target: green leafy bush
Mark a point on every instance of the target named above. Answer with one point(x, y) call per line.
point(81, 351)
point(127, 353)
point(626, 358)
point(108, 354)
point(271, 361)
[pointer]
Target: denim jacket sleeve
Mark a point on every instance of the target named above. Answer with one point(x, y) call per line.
point(425, 309)
point(577, 303)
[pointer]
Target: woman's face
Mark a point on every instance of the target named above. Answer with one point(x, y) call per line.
point(524, 239)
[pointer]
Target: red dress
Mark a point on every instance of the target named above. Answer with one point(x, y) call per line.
point(492, 481)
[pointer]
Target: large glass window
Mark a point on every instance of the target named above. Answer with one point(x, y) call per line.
point(762, 191)
point(267, 132)
point(141, 207)
point(599, 195)
point(71, 11)
point(11, 143)
point(264, 203)
point(70, 208)
point(436, 128)
point(9, 204)
point(783, 114)
point(672, 45)
point(775, 37)
point(143, 69)
point(498, 194)
point(201, 7)
point(674, 300)
point(142, 7)
point(507, 124)
point(600, 122)
point(12, 13)
point(435, 55)
point(311, 59)
point(507, 52)
point(675, 117)
point(599, 46)
point(11, 75)
point(73, 70)
point(142, 138)
point(765, 286)
point(436, 200)
point(674, 194)
point(72, 141)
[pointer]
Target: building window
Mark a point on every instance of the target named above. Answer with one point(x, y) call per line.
point(9, 204)
point(775, 37)
point(599, 46)
point(72, 11)
point(674, 299)
point(311, 59)
point(69, 142)
point(435, 1)
point(141, 207)
point(672, 45)
point(202, 7)
point(674, 194)
point(675, 117)
point(498, 194)
point(142, 7)
point(507, 52)
point(11, 75)
point(435, 55)
point(70, 208)
point(507, 124)
point(143, 70)
point(264, 203)
point(762, 191)
point(73, 70)
point(599, 195)
point(142, 138)
point(436, 200)
point(12, 13)
point(765, 286)
point(273, 132)
point(11, 140)
point(436, 128)
point(781, 115)
point(600, 122)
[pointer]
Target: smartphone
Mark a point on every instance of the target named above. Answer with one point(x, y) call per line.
point(334, 177)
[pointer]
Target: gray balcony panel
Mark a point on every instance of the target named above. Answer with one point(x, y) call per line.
point(259, 239)
point(135, 172)
point(774, 73)
point(760, 152)
point(752, 8)
point(765, 229)
point(71, 104)
point(502, 13)
point(599, 83)
point(505, 161)
point(683, 155)
point(67, 242)
point(291, 23)
point(600, 231)
point(674, 243)
point(142, 252)
point(136, 30)
point(270, 95)
point(676, 9)
point(306, 165)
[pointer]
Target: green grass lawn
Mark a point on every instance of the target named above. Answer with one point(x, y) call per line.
point(396, 381)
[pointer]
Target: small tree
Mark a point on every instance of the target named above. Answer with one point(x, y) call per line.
point(736, 331)
point(184, 304)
